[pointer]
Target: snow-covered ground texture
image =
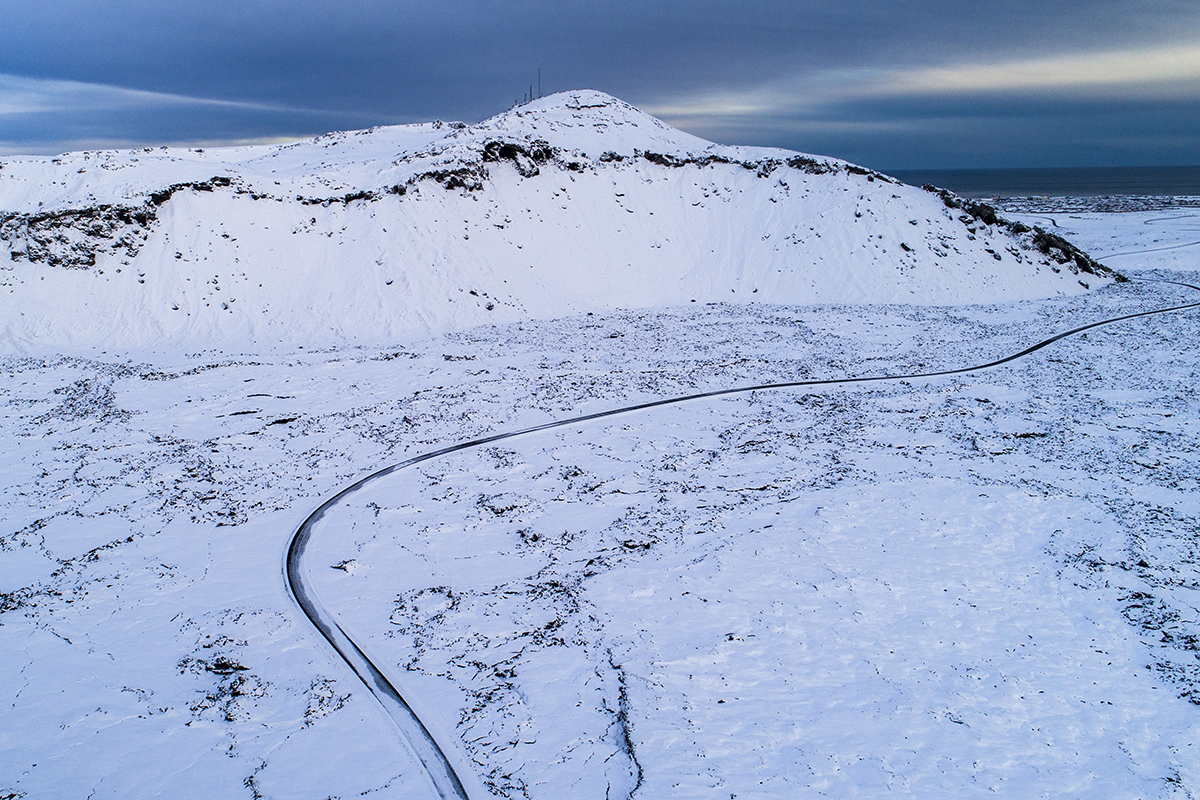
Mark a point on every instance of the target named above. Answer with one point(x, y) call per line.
point(1104, 204)
point(576, 202)
point(1146, 238)
point(964, 586)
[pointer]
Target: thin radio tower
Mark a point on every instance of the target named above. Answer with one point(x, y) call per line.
point(539, 82)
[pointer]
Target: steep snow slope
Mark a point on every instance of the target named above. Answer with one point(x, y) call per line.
point(574, 202)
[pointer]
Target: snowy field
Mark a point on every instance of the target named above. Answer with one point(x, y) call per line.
point(978, 585)
point(1162, 238)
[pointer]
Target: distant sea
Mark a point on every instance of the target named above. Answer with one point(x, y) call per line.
point(1060, 182)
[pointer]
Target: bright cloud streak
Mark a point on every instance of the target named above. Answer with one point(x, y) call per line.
point(1168, 71)
point(1167, 68)
point(20, 95)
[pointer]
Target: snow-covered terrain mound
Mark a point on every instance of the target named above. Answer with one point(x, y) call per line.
point(571, 203)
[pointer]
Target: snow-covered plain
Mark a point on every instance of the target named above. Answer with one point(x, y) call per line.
point(972, 585)
point(982, 584)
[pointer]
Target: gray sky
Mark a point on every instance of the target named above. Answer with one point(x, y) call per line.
point(918, 84)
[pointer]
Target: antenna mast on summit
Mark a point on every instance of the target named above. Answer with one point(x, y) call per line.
point(539, 83)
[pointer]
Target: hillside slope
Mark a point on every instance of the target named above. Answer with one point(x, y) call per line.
point(575, 202)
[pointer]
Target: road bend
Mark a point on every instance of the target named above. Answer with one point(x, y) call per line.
point(432, 755)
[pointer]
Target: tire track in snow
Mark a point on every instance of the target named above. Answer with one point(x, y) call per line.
point(1170, 219)
point(441, 772)
point(1151, 250)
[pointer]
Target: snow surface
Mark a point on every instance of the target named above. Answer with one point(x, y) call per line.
point(971, 585)
point(1155, 239)
point(976, 585)
point(573, 203)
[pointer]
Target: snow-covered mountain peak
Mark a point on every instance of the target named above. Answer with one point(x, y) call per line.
point(592, 123)
point(573, 202)
point(585, 124)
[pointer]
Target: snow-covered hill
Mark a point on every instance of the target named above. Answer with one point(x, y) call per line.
point(572, 203)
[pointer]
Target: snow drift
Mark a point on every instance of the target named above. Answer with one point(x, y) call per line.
point(571, 203)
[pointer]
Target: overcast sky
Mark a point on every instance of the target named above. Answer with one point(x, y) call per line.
point(887, 83)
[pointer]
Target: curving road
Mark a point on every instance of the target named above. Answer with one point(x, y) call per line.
point(441, 773)
point(1151, 250)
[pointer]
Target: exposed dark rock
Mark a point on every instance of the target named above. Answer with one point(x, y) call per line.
point(466, 177)
point(160, 197)
point(1048, 244)
point(527, 158)
point(811, 165)
point(73, 237)
point(1064, 252)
